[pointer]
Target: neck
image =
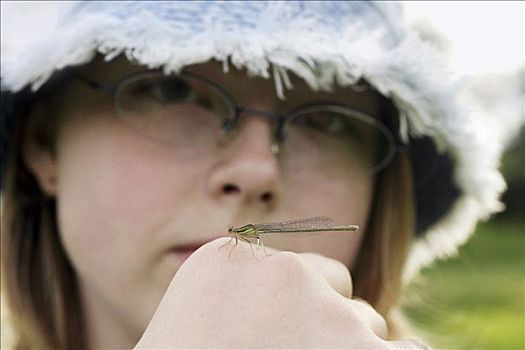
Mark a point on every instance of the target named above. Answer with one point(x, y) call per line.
point(106, 328)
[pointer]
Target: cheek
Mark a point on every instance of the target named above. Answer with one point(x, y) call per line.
point(117, 195)
point(340, 190)
point(342, 195)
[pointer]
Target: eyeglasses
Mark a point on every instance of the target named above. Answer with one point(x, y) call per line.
point(188, 110)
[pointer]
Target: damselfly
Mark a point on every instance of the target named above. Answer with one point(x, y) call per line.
point(254, 231)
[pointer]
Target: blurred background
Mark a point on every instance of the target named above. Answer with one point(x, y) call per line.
point(476, 300)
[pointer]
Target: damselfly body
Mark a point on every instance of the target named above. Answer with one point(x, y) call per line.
point(255, 231)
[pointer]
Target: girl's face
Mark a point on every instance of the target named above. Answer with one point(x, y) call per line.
point(130, 209)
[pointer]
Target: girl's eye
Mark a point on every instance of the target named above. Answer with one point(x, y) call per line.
point(331, 123)
point(154, 94)
point(165, 91)
point(169, 91)
point(172, 90)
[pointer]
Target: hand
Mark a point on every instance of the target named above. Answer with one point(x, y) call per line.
point(284, 300)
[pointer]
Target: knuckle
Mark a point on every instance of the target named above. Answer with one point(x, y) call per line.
point(289, 261)
point(380, 327)
point(370, 316)
point(333, 271)
point(289, 265)
point(283, 276)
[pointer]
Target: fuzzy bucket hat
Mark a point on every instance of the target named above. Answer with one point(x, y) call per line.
point(456, 181)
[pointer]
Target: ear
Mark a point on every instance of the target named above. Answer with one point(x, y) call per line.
point(38, 154)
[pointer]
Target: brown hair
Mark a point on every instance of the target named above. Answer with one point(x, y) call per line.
point(40, 286)
point(377, 274)
point(38, 282)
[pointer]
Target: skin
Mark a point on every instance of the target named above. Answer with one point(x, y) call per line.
point(125, 201)
point(284, 300)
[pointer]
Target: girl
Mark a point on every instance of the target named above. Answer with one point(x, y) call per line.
point(139, 132)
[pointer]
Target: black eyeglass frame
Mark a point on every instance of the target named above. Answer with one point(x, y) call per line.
point(395, 146)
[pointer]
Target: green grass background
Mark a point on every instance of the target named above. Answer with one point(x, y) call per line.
point(477, 300)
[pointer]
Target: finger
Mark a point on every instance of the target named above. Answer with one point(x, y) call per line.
point(333, 271)
point(370, 316)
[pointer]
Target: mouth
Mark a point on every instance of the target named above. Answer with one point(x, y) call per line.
point(183, 251)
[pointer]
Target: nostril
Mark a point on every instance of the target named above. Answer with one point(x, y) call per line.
point(266, 196)
point(229, 188)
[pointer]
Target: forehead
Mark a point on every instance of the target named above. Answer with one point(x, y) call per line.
point(253, 91)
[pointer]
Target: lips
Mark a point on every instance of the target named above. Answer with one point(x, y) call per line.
point(191, 246)
point(186, 248)
point(183, 252)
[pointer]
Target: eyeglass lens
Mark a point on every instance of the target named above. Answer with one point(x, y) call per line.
point(189, 111)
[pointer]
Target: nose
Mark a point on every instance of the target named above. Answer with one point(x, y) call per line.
point(247, 169)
